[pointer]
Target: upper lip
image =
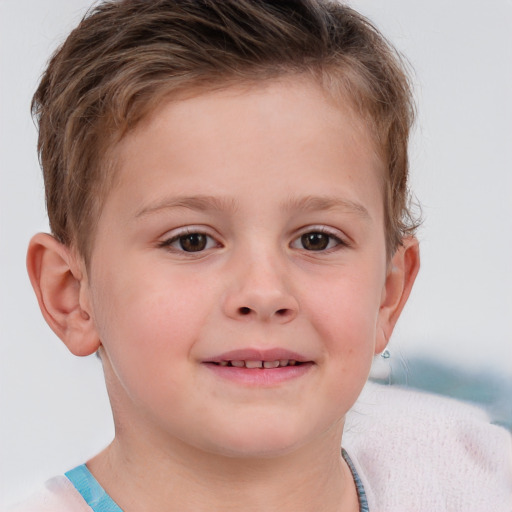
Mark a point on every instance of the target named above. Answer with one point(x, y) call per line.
point(251, 354)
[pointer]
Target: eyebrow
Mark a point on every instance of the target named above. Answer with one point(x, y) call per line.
point(198, 203)
point(214, 203)
point(320, 203)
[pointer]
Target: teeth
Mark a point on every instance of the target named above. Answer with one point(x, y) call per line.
point(253, 364)
point(259, 364)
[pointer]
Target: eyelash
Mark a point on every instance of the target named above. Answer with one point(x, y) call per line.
point(321, 230)
point(180, 238)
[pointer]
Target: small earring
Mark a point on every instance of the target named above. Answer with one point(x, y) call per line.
point(386, 354)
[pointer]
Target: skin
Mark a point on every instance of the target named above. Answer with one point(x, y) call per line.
point(253, 169)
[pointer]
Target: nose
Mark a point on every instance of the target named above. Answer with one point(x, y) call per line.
point(259, 291)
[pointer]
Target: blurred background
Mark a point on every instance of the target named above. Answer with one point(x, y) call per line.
point(455, 336)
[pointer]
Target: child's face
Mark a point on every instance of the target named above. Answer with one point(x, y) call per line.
point(246, 224)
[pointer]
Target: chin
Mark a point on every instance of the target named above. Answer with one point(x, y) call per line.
point(263, 443)
point(258, 451)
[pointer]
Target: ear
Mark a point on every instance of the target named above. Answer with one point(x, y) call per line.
point(401, 274)
point(59, 280)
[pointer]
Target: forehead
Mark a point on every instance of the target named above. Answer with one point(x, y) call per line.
point(265, 135)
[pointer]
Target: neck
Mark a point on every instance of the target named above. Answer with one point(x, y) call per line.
point(141, 476)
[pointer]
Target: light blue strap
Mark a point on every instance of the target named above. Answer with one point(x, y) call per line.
point(91, 491)
point(363, 501)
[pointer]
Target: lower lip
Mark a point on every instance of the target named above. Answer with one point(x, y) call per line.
point(260, 377)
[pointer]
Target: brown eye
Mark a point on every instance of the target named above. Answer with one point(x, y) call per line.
point(189, 242)
point(193, 242)
point(315, 241)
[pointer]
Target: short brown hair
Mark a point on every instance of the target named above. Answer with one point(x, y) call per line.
point(126, 55)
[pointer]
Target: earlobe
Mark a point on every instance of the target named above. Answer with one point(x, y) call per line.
point(58, 283)
point(402, 271)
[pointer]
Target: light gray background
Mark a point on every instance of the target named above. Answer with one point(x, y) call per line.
point(54, 412)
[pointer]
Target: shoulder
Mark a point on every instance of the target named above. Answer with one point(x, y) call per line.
point(425, 452)
point(56, 495)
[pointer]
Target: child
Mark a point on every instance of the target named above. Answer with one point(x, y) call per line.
point(227, 190)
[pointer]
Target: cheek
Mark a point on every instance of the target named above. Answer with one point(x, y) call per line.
point(345, 316)
point(146, 318)
point(147, 336)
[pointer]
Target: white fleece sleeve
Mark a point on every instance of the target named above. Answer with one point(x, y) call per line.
point(56, 495)
point(423, 453)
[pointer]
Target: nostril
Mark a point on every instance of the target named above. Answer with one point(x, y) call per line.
point(244, 310)
point(282, 312)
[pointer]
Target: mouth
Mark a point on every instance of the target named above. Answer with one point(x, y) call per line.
point(260, 368)
point(258, 364)
point(256, 359)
